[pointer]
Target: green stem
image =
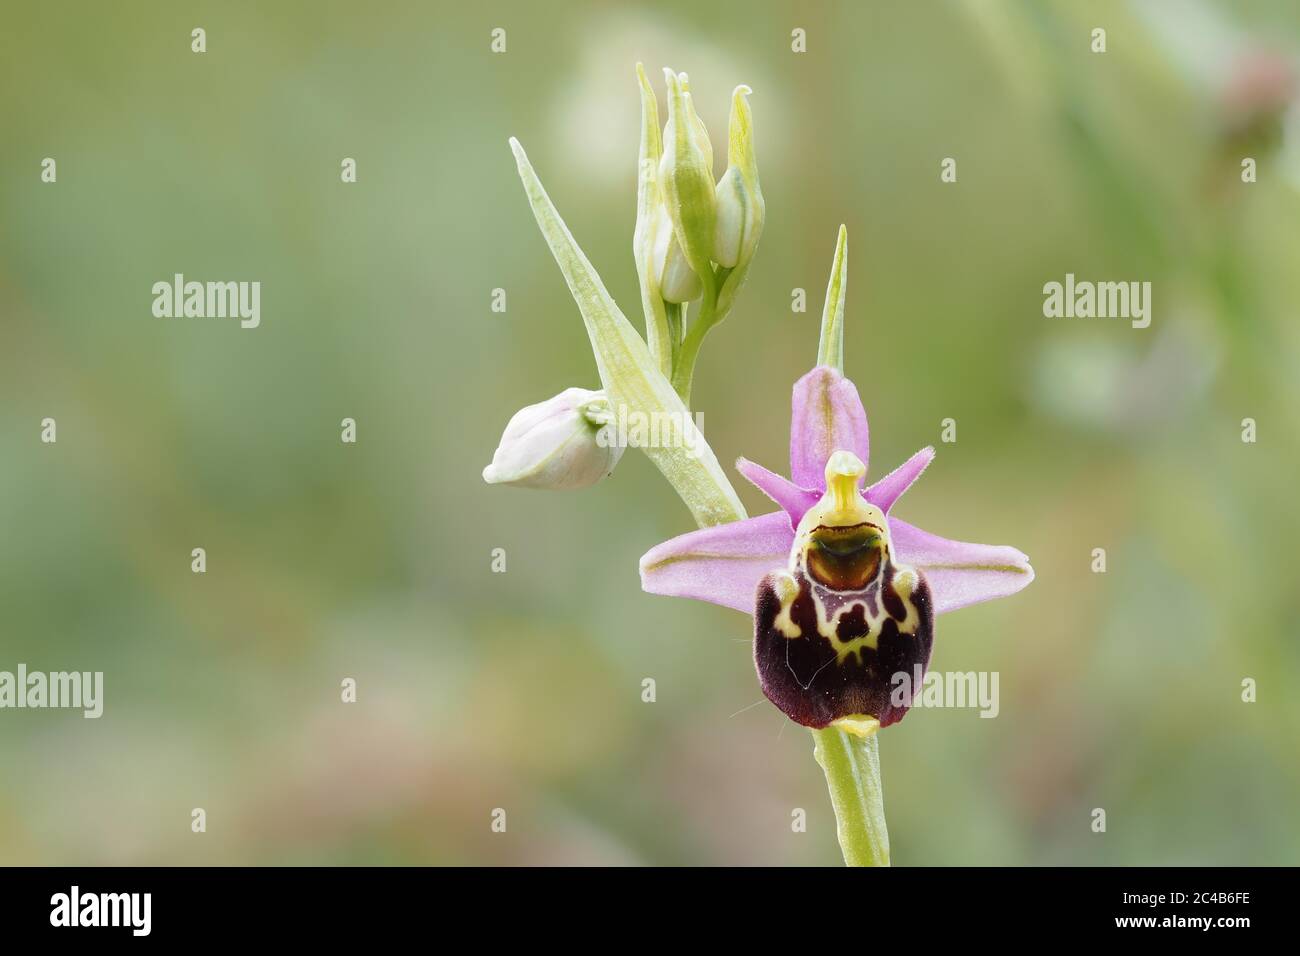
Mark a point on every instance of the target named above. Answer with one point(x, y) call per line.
point(714, 307)
point(673, 314)
point(684, 367)
point(852, 766)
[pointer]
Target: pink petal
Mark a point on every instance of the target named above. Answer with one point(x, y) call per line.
point(960, 573)
point(827, 416)
point(722, 565)
point(889, 489)
point(787, 494)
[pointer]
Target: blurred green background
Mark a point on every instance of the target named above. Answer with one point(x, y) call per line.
point(522, 690)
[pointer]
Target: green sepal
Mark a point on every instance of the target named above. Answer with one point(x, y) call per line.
point(658, 333)
point(830, 348)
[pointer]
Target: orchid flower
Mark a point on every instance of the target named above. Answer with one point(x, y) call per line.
point(843, 594)
point(833, 578)
point(726, 565)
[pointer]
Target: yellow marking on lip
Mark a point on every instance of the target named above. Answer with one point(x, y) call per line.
point(904, 585)
point(787, 589)
point(854, 646)
point(861, 725)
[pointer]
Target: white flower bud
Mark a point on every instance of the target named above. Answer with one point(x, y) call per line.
point(740, 207)
point(730, 225)
point(557, 443)
point(676, 280)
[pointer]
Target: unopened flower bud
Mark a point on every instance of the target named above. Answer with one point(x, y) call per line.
point(740, 201)
point(686, 176)
point(676, 280)
point(740, 207)
point(728, 231)
point(557, 443)
point(702, 131)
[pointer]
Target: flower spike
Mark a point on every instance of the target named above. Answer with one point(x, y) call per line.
point(629, 374)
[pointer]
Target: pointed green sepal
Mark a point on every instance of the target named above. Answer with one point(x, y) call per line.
point(830, 350)
point(658, 333)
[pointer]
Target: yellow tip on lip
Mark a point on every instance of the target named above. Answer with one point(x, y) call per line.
point(859, 725)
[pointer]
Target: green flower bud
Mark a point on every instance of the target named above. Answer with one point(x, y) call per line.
point(705, 143)
point(740, 201)
point(686, 178)
point(558, 443)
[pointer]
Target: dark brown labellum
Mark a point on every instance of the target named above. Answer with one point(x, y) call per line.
point(826, 652)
